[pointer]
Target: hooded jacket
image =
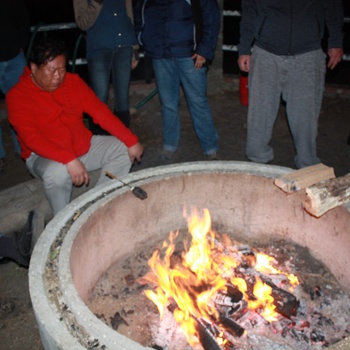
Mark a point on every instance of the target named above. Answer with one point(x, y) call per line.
point(51, 124)
point(166, 28)
point(290, 27)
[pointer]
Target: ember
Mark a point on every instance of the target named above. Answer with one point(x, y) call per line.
point(226, 295)
point(203, 285)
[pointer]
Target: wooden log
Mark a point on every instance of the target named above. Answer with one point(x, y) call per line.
point(327, 195)
point(304, 177)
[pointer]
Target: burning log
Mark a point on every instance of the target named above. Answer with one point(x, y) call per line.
point(230, 326)
point(285, 302)
point(328, 195)
point(206, 337)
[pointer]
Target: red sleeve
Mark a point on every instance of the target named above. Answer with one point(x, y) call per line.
point(102, 115)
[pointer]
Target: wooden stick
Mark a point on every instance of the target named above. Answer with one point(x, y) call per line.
point(325, 196)
point(305, 177)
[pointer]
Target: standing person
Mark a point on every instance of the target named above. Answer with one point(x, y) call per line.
point(46, 109)
point(14, 38)
point(111, 48)
point(181, 37)
point(287, 60)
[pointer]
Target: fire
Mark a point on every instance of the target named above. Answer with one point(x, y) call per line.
point(189, 284)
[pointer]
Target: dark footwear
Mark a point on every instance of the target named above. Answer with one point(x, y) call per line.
point(2, 165)
point(212, 156)
point(25, 239)
point(166, 155)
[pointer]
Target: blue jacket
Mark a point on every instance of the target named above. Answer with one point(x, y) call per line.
point(290, 27)
point(165, 28)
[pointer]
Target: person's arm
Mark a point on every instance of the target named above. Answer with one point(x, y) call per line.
point(211, 26)
point(101, 114)
point(22, 117)
point(247, 25)
point(86, 14)
point(334, 21)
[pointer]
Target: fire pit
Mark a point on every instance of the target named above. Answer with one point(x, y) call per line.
point(109, 223)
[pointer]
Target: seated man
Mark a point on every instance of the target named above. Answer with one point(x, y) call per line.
point(46, 109)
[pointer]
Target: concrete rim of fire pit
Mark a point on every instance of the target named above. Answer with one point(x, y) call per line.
point(64, 320)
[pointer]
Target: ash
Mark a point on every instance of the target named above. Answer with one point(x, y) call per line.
point(322, 317)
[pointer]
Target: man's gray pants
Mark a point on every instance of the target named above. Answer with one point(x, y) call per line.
point(106, 153)
point(300, 81)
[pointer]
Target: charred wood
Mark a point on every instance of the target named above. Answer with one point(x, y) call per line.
point(230, 326)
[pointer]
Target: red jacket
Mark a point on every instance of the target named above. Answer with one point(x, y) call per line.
point(51, 124)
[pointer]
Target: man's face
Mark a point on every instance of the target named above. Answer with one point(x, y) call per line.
point(51, 75)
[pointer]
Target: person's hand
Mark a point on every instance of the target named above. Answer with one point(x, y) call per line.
point(244, 63)
point(199, 61)
point(78, 173)
point(335, 56)
point(135, 59)
point(135, 152)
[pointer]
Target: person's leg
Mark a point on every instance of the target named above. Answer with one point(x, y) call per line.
point(56, 179)
point(121, 75)
point(303, 94)
point(168, 83)
point(264, 101)
point(108, 154)
point(13, 70)
point(10, 72)
point(194, 83)
point(99, 67)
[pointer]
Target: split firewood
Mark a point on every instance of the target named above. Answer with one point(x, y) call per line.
point(325, 196)
point(302, 178)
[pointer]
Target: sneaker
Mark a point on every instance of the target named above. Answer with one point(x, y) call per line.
point(212, 156)
point(166, 155)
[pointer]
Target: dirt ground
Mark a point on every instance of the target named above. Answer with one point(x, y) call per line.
point(18, 329)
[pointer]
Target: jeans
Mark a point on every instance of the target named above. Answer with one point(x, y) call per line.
point(170, 73)
point(10, 71)
point(117, 62)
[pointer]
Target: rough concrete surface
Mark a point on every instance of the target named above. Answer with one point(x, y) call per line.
point(19, 192)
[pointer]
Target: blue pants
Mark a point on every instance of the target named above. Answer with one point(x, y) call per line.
point(10, 71)
point(170, 73)
point(118, 63)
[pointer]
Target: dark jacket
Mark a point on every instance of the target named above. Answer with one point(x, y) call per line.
point(290, 27)
point(166, 28)
point(14, 28)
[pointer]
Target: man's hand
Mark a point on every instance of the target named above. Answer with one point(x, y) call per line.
point(135, 59)
point(335, 56)
point(244, 63)
point(135, 152)
point(199, 61)
point(78, 172)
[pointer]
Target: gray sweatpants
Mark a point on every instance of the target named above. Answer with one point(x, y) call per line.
point(300, 81)
point(106, 152)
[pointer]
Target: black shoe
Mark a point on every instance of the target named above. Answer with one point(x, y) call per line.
point(27, 237)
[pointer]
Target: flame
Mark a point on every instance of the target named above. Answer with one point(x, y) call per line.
point(188, 285)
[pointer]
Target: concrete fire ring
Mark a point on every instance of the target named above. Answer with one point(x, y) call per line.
point(67, 261)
